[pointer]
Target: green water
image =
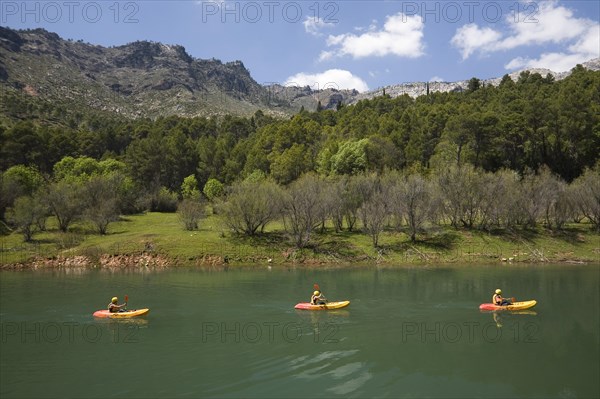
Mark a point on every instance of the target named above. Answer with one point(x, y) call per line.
point(409, 332)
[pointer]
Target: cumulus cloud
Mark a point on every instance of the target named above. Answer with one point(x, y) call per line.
point(401, 35)
point(551, 24)
point(332, 78)
point(586, 48)
point(436, 79)
point(470, 38)
point(314, 25)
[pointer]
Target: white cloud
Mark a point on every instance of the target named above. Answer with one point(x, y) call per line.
point(326, 55)
point(402, 35)
point(557, 62)
point(551, 24)
point(589, 43)
point(586, 48)
point(314, 25)
point(470, 38)
point(332, 78)
point(437, 79)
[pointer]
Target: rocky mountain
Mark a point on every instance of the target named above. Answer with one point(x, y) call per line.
point(416, 89)
point(154, 79)
point(137, 79)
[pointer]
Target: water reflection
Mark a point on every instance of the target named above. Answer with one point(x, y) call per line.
point(500, 315)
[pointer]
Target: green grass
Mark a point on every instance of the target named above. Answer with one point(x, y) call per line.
point(161, 234)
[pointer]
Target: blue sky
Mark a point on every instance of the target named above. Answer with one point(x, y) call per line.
point(342, 44)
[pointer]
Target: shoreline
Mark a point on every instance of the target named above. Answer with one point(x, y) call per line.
point(215, 262)
point(157, 240)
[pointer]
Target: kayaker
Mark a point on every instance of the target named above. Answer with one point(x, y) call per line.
point(317, 298)
point(498, 300)
point(113, 307)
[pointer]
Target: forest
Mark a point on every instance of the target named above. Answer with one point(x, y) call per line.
point(519, 154)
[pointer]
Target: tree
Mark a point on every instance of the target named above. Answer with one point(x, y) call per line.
point(301, 208)
point(503, 197)
point(461, 190)
point(64, 199)
point(17, 181)
point(411, 197)
point(351, 158)
point(532, 198)
point(190, 212)
point(213, 189)
point(473, 85)
point(25, 214)
point(101, 201)
point(189, 188)
point(587, 195)
point(374, 212)
point(251, 205)
point(291, 163)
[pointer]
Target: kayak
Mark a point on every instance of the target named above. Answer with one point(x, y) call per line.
point(515, 306)
point(328, 306)
point(121, 315)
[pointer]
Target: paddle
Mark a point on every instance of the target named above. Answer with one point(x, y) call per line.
point(126, 299)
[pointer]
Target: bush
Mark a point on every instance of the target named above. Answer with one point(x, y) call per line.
point(190, 213)
point(165, 201)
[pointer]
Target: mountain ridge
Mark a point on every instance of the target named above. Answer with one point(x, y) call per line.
point(416, 89)
point(150, 79)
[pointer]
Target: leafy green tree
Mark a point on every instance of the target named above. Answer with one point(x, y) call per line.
point(351, 158)
point(256, 176)
point(189, 188)
point(473, 85)
point(22, 145)
point(17, 181)
point(291, 163)
point(213, 189)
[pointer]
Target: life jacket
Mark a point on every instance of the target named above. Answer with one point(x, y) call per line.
point(495, 300)
point(111, 307)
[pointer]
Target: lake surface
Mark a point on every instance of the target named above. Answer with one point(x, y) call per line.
point(408, 332)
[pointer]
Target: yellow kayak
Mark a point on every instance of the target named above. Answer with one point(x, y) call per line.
point(515, 306)
point(121, 315)
point(327, 306)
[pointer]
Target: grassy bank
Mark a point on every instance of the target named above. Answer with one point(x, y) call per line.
point(160, 235)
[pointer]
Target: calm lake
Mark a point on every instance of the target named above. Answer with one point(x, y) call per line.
point(408, 332)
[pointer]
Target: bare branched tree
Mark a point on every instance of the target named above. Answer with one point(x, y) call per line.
point(251, 205)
